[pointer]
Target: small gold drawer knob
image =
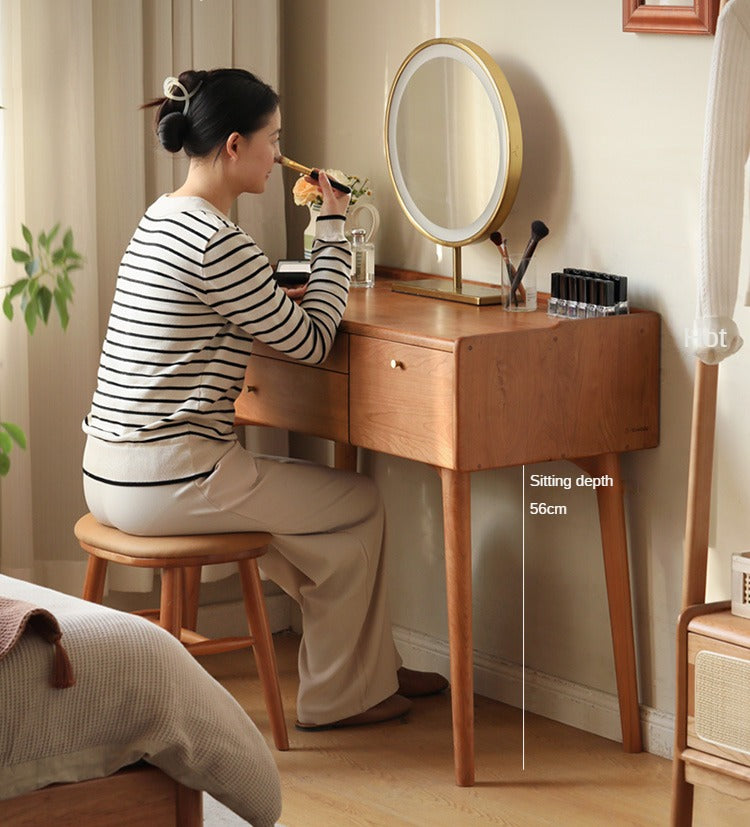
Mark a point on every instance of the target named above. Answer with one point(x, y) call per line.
point(396, 364)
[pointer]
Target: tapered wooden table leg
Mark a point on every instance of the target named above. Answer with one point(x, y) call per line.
point(617, 575)
point(457, 529)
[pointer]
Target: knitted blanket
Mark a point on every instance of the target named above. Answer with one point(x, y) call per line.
point(17, 616)
point(138, 695)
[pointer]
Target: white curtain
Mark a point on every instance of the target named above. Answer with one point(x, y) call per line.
point(75, 148)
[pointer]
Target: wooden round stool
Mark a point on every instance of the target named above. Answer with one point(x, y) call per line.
point(180, 559)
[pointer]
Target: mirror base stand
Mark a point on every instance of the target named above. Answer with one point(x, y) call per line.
point(455, 291)
point(443, 289)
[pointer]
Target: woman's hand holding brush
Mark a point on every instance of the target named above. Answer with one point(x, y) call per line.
point(335, 202)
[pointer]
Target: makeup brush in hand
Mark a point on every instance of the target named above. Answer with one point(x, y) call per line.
point(538, 231)
point(313, 173)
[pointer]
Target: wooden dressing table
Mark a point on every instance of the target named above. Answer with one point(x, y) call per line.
point(465, 388)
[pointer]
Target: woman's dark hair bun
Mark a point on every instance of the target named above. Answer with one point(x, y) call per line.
point(172, 129)
point(218, 103)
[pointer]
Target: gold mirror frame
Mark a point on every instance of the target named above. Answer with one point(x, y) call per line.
point(698, 17)
point(504, 106)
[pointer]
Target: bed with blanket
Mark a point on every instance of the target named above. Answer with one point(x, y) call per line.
point(136, 695)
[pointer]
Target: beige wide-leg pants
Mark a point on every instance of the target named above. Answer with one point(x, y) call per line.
point(327, 528)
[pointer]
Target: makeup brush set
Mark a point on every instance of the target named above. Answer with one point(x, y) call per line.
point(574, 293)
point(587, 294)
point(517, 293)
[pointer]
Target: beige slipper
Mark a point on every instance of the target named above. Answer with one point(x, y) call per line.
point(395, 706)
point(413, 684)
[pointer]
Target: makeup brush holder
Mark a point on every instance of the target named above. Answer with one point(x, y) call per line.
point(523, 298)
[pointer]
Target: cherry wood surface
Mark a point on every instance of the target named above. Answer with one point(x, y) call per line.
point(133, 797)
point(464, 388)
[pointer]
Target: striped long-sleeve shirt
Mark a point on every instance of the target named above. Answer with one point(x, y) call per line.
point(193, 291)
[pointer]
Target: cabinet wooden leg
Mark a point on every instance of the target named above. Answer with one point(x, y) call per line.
point(682, 796)
point(457, 529)
point(617, 575)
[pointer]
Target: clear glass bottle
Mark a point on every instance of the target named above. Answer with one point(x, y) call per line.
point(363, 260)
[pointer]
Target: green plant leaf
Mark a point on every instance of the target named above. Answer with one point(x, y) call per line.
point(18, 287)
point(47, 278)
point(16, 434)
point(64, 286)
point(4, 464)
point(44, 298)
point(61, 303)
point(31, 314)
point(6, 443)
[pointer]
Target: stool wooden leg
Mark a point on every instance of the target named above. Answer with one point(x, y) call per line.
point(170, 606)
point(265, 656)
point(93, 585)
point(191, 576)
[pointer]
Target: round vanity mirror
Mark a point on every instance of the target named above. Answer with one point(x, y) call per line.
point(453, 144)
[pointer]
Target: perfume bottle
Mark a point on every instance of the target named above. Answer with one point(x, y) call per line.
point(363, 260)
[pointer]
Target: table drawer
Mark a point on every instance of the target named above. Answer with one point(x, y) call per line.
point(337, 359)
point(402, 400)
point(718, 705)
point(304, 398)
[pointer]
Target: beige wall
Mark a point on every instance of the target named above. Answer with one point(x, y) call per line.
point(613, 127)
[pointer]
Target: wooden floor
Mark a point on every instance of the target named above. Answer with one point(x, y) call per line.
point(401, 773)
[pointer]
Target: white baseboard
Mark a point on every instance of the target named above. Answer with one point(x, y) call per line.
point(560, 700)
point(569, 703)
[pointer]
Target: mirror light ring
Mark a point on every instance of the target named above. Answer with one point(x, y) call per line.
point(509, 131)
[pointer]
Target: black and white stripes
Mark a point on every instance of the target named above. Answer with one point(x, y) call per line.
point(193, 291)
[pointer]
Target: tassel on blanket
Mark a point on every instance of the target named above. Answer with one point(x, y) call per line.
point(62, 671)
point(15, 617)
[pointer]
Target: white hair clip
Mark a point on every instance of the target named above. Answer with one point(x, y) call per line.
point(170, 84)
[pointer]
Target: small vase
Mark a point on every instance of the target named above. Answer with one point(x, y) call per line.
point(309, 234)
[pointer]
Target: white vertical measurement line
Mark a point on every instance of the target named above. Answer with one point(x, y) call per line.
point(523, 624)
point(437, 18)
